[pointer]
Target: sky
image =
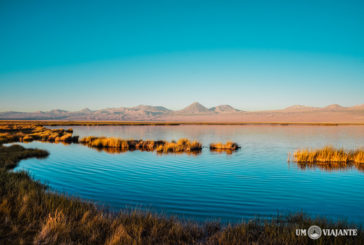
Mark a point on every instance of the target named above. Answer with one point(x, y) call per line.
point(253, 55)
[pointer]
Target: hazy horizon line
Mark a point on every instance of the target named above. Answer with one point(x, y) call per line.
point(177, 109)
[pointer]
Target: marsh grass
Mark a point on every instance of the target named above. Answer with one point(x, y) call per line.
point(10, 156)
point(28, 133)
point(182, 145)
point(160, 146)
point(229, 147)
point(329, 157)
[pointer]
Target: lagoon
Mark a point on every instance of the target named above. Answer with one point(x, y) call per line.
point(255, 181)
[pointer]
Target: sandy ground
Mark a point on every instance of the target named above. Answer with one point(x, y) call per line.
point(271, 116)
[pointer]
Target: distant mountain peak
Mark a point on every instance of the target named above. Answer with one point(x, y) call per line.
point(86, 110)
point(334, 107)
point(197, 104)
point(57, 111)
point(194, 108)
point(151, 108)
point(223, 109)
point(296, 107)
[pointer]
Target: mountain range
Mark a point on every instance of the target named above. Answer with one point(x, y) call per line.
point(198, 112)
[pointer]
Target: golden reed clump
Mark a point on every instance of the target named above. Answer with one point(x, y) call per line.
point(229, 147)
point(27, 133)
point(329, 157)
point(161, 146)
point(182, 145)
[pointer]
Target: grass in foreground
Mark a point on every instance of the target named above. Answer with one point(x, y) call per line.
point(330, 158)
point(29, 214)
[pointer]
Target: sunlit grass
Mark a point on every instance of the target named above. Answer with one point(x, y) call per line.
point(160, 146)
point(27, 133)
point(329, 154)
point(228, 147)
point(329, 157)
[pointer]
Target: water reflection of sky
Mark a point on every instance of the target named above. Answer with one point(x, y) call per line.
point(257, 180)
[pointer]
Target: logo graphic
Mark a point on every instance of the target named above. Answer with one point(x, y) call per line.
point(314, 232)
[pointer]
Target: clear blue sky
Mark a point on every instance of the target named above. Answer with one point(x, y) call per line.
point(258, 55)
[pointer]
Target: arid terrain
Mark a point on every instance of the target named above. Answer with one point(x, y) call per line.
point(199, 113)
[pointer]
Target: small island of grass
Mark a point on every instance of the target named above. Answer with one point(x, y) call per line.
point(329, 157)
point(228, 147)
point(160, 146)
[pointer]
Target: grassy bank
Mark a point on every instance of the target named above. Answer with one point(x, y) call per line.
point(330, 158)
point(27, 133)
point(31, 215)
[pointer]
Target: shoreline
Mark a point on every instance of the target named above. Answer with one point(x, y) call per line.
point(172, 123)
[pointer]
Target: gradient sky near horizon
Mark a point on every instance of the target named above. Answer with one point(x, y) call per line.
point(257, 55)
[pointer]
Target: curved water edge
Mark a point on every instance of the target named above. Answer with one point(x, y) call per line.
point(256, 180)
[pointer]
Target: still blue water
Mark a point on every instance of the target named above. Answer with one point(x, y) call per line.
point(255, 181)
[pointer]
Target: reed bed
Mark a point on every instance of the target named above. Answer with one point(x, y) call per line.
point(329, 157)
point(27, 133)
point(329, 154)
point(160, 146)
point(228, 147)
point(10, 156)
point(30, 132)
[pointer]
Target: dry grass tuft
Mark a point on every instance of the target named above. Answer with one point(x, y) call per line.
point(121, 145)
point(119, 236)
point(329, 158)
point(54, 229)
point(27, 133)
point(229, 147)
point(182, 145)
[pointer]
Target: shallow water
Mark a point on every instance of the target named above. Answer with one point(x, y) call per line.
point(255, 181)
